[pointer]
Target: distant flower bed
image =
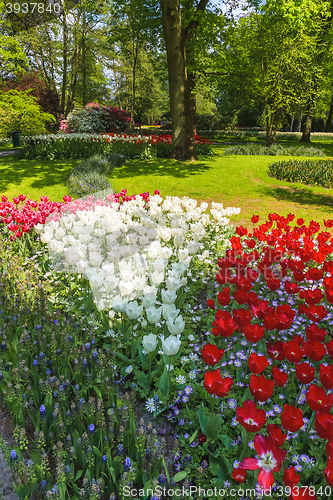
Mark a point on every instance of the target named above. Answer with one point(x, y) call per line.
point(313, 173)
point(61, 146)
point(275, 150)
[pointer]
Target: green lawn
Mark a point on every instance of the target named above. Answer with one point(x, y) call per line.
point(240, 181)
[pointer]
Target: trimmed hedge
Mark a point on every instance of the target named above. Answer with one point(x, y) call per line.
point(313, 173)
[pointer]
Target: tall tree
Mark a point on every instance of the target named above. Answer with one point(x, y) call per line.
point(179, 25)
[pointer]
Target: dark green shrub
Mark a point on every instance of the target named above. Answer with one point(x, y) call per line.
point(274, 150)
point(211, 121)
point(83, 183)
point(313, 173)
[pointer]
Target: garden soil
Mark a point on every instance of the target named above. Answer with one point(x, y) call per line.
point(7, 491)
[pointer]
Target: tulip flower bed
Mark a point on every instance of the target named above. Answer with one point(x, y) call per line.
point(130, 383)
point(65, 146)
point(313, 173)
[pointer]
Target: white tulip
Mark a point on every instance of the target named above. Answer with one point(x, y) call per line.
point(153, 314)
point(149, 300)
point(149, 342)
point(166, 252)
point(170, 312)
point(118, 304)
point(169, 296)
point(171, 345)
point(177, 326)
point(133, 310)
point(157, 277)
point(173, 284)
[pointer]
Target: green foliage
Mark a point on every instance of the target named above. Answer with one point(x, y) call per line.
point(19, 112)
point(103, 164)
point(13, 60)
point(88, 182)
point(274, 150)
point(313, 173)
point(211, 121)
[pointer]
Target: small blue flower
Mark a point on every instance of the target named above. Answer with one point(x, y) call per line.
point(91, 428)
point(42, 409)
point(55, 321)
point(95, 354)
point(43, 484)
point(87, 346)
point(104, 458)
point(35, 363)
point(127, 462)
point(84, 362)
point(13, 455)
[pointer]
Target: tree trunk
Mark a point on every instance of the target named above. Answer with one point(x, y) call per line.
point(308, 122)
point(328, 124)
point(135, 59)
point(292, 123)
point(84, 67)
point(179, 86)
point(300, 122)
point(64, 67)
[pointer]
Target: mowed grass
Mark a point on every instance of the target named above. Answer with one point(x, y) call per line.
point(239, 181)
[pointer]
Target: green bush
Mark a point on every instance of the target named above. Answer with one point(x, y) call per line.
point(211, 121)
point(84, 183)
point(313, 173)
point(19, 112)
point(95, 119)
point(274, 150)
point(103, 164)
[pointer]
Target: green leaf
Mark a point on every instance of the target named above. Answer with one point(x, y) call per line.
point(193, 436)
point(180, 476)
point(36, 457)
point(213, 426)
point(166, 470)
point(202, 419)
point(123, 358)
point(164, 385)
point(142, 379)
point(78, 475)
point(226, 440)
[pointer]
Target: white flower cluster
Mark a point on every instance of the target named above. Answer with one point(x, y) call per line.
point(129, 250)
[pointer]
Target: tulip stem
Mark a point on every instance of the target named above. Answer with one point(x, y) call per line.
point(245, 445)
point(305, 438)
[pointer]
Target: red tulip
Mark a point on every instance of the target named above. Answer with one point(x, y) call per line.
point(223, 325)
point(275, 431)
point(253, 333)
point(305, 372)
point(211, 304)
point(211, 354)
point(315, 334)
point(329, 449)
point(223, 298)
point(328, 472)
point(250, 417)
point(292, 351)
point(314, 274)
point(257, 364)
point(242, 316)
point(276, 351)
point(215, 384)
point(326, 376)
point(318, 400)
point(241, 297)
point(260, 310)
point(302, 493)
point(291, 288)
point(292, 418)
point(239, 475)
point(254, 219)
point(314, 350)
point(329, 346)
point(202, 438)
point(311, 296)
point(290, 478)
point(324, 425)
point(280, 377)
point(270, 460)
point(261, 388)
